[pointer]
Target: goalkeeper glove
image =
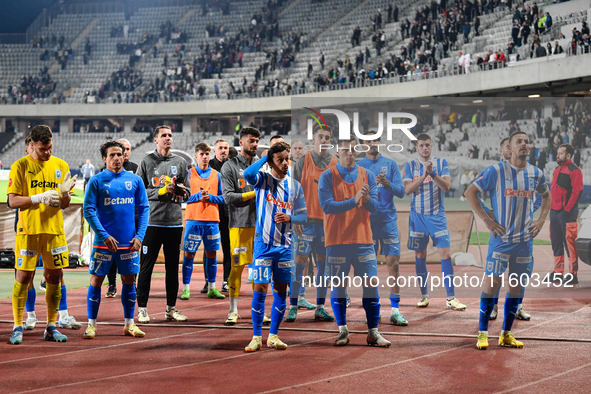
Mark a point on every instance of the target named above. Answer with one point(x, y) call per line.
point(50, 198)
point(68, 183)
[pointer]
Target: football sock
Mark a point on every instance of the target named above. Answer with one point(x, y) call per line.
point(63, 299)
point(257, 312)
point(211, 265)
point(278, 311)
point(19, 299)
point(234, 280)
point(372, 306)
point(128, 299)
point(339, 305)
point(31, 298)
point(296, 285)
point(486, 307)
point(394, 300)
point(52, 299)
point(321, 279)
point(93, 302)
point(511, 302)
point(234, 304)
point(187, 270)
point(421, 269)
point(447, 269)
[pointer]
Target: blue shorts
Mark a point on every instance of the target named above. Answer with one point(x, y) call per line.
point(518, 257)
point(385, 234)
point(313, 235)
point(420, 227)
point(196, 231)
point(272, 263)
point(362, 257)
point(101, 260)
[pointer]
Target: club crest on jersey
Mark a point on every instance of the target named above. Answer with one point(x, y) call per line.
point(173, 170)
point(532, 183)
point(128, 185)
point(385, 170)
point(58, 174)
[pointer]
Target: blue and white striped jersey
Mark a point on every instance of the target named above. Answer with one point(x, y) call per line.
point(512, 193)
point(275, 196)
point(428, 198)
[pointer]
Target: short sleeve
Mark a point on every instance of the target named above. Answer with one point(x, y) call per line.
point(407, 174)
point(542, 185)
point(15, 181)
point(445, 168)
point(487, 181)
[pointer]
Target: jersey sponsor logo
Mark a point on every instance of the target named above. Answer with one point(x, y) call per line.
point(44, 184)
point(367, 257)
point(518, 193)
point(500, 256)
point(128, 185)
point(213, 236)
point(427, 179)
point(28, 252)
point(391, 241)
point(58, 174)
point(524, 260)
point(128, 256)
point(59, 250)
point(441, 233)
point(102, 256)
point(195, 237)
point(243, 249)
point(173, 170)
point(306, 237)
point(280, 204)
point(263, 262)
point(416, 234)
point(118, 200)
point(337, 260)
point(241, 183)
point(286, 264)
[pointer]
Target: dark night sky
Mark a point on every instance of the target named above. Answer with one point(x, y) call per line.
point(17, 15)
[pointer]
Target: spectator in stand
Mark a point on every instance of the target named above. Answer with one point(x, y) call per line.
point(577, 158)
point(539, 51)
point(87, 171)
point(551, 147)
point(542, 159)
point(532, 154)
point(557, 48)
point(548, 127)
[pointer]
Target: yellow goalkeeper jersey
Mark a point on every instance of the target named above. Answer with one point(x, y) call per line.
point(29, 177)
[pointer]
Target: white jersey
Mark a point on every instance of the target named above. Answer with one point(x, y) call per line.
point(513, 196)
point(428, 198)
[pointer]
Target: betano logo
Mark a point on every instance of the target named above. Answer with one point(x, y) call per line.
point(280, 204)
point(518, 193)
point(345, 128)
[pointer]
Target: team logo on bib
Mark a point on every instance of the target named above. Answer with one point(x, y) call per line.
point(58, 174)
point(173, 170)
point(128, 185)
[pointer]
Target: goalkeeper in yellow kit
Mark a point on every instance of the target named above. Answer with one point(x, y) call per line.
point(38, 186)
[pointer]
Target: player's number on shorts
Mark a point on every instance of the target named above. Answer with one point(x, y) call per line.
point(261, 272)
point(334, 270)
point(58, 260)
point(414, 243)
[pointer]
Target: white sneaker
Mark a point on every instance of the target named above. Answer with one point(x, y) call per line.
point(142, 315)
point(30, 323)
point(69, 322)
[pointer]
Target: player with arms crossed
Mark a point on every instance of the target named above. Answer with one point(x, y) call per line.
point(521, 313)
point(110, 203)
point(512, 185)
point(307, 170)
point(383, 222)
point(39, 184)
point(347, 194)
point(427, 178)
point(280, 202)
point(203, 220)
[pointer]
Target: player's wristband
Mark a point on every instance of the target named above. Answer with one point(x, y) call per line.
point(247, 196)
